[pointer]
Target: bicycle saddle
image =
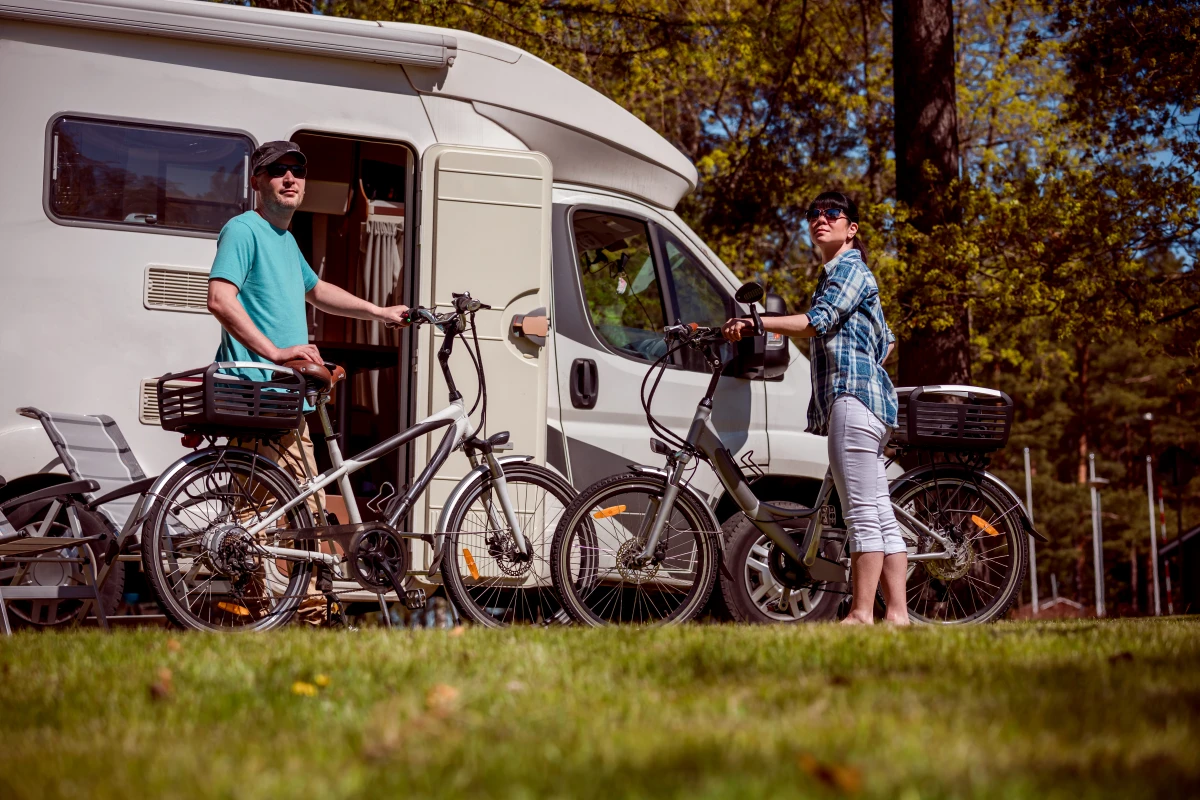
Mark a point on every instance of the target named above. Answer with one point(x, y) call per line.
point(319, 378)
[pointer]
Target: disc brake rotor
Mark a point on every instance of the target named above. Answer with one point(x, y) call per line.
point(955, 567)
point(503, 549)
point(628, 569)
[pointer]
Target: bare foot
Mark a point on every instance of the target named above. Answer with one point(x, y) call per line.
point(897, 620)
point(854, 618)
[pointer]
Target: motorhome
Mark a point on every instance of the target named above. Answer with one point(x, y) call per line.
point(439, 161)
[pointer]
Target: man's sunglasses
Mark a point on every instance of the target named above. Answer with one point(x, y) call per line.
point(831, 214)
point(278, 170)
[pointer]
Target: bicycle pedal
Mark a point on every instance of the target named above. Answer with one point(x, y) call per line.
point(414, 599)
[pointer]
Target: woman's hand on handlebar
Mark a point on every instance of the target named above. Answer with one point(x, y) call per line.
point(733, 330)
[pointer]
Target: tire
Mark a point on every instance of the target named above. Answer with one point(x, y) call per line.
point(749, 589)
point(598, 593)
point(486, 583)
point(218, 490)
point(992, 578)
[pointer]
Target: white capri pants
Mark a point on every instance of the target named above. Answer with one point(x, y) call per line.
point(856, 441)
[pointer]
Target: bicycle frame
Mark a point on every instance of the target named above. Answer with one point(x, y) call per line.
point(454, 417)
point(702, 438)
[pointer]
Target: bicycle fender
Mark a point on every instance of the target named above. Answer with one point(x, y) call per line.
point(712, 518)
point(919, 474)
point(456, 495)
point(192, 458)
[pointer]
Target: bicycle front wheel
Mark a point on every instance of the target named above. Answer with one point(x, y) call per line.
point(595, 563)
point(490, 581)
point(990, 549)
point(207, 571)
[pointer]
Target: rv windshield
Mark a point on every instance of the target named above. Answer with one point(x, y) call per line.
point(146, 176)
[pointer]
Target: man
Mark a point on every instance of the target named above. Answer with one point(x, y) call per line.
point(260, 281)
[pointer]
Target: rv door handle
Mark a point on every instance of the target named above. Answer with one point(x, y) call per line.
point(585, 384)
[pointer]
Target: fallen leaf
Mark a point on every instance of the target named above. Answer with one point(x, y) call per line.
point(441, 699)
point(173, 645)
point(304, 689)
point(162, 688)
point(1122, 656)
point(839, 680)
point(322, 680)
point(836, 776)
point(457, 630)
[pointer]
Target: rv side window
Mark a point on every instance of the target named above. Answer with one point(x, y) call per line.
point(697, 298)
point(620, 282)
point(146, 176)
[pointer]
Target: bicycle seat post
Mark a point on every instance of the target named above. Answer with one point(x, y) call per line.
point(335, 457)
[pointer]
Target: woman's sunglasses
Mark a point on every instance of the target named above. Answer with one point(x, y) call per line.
point(278, 170)
point(831, 214)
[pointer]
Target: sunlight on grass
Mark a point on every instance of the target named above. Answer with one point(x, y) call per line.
point(1013, 710)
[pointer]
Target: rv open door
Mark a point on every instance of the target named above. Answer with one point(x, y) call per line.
point(485, 228)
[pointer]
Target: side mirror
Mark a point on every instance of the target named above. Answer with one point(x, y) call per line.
point(750, 293)
point(764, 357)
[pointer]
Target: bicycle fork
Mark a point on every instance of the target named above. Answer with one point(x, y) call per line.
point(500, 487)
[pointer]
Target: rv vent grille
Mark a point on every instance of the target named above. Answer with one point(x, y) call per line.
point(176, 289)
point(148, 399)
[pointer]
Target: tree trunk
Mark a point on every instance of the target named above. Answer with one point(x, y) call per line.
point(927, 134)
point(302, 6)
point(1082, 353)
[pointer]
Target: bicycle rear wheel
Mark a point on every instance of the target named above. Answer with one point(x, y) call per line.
point(201, 561)
point(593, 557)
point(984, 578)
point(488, 579)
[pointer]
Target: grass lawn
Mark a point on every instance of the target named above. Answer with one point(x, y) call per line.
point(1014, 710)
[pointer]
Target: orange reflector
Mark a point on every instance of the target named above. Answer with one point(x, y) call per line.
point(234, 608)
point(611, 511)
point(471, 563)
point(983, 526)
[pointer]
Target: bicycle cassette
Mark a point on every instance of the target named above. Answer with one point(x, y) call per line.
point(378, 560)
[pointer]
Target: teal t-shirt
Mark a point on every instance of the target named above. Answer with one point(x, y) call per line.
point(272, 277)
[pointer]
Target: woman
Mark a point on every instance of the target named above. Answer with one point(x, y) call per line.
point(853, 401)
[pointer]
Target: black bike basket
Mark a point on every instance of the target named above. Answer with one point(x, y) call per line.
point(953, 418)
point(207, 402)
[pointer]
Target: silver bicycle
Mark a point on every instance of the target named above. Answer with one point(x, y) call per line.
point(230, 543)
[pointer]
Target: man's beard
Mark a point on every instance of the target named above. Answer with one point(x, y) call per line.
point(278, 205)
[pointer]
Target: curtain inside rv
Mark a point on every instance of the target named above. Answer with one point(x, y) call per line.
point(379, 282)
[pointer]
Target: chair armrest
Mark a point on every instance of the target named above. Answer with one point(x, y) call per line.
point(137, 487)
point(58, 490)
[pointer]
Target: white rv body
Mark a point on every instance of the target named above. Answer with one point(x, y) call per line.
point(506, 151)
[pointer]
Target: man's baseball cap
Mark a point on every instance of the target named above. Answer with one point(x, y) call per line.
point(270, 152)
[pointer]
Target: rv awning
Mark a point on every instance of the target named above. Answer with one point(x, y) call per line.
point(272, 30)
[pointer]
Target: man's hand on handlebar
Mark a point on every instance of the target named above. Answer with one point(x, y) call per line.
point(300, 352)
point(393, 316)
point(734, 329)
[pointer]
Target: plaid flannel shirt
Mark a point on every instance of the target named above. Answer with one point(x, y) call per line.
point(851, 343)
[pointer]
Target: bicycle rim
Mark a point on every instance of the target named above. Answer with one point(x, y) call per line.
point(981, 584)
point(598, 580)
point(487, 577)
point(204, 583)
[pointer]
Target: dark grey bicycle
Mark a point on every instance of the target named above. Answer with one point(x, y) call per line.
point(644, 547)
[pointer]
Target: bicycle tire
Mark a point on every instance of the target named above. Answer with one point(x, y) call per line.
point(156, 536)
point(1014, 560)
point(497, 602)
point(578, 522)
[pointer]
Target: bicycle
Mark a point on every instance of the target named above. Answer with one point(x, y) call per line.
point(229, 541)
point(644, 547)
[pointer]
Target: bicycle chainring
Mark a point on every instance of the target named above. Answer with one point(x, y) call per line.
point(788, 573)
point(376, 557)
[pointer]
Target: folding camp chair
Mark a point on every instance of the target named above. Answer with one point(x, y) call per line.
point(23, 555)
point(91, 447)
